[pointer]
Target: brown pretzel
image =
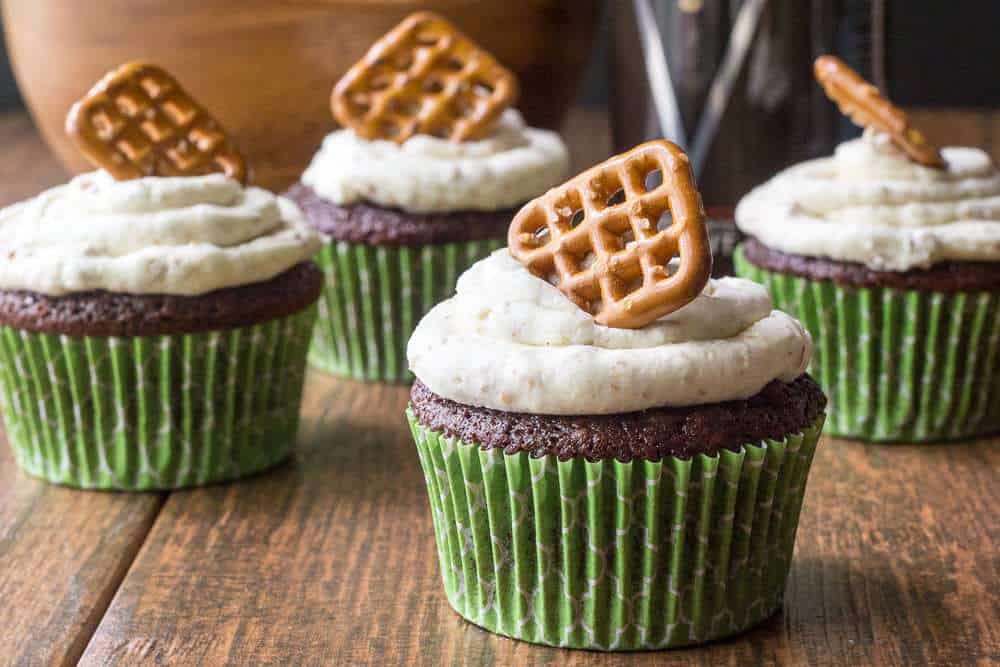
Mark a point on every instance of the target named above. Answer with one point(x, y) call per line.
point(597, 237)
point(423, 77)
point(137, 121)
point(864, 105)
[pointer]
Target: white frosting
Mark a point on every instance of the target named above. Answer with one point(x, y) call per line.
point(182, 236)
point(870, 204)
point(513, 165)
point(511, 341)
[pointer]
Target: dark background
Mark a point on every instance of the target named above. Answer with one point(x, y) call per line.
point(943, 52)
point(8, 88)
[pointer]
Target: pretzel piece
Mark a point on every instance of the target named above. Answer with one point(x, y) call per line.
point(138, 121)
point(598, 239)
point(424, 77)
point(865, 106)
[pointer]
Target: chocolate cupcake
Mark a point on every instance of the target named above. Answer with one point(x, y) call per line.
point(153, 330)
point(612, 488)
point(894, 267)
point(403, 218)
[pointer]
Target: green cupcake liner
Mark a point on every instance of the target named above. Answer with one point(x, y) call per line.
point(373, 298)
point(897, 365)
point(615, 556)
point(153, 412)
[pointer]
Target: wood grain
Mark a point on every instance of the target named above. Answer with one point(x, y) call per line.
point(62, 552)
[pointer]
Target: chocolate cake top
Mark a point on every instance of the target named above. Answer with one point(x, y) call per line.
point(942, 277)
point(100, 313)
point(778, 410)
point(373, 225)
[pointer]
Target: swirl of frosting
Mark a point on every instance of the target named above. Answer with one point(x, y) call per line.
point(181, 236)
point(870, 204)
point(510, 341)
point(426, 174)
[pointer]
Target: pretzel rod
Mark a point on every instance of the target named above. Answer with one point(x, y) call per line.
point(423, 77)
point(865, 106)
point(138, 121)
point(598, 239)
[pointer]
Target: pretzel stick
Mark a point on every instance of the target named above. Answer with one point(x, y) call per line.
point(865, 106)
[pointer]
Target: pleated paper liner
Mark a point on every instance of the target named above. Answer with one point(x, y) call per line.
point(375, 295)
point(897, 365)
point(154, 412)
point(610, 555)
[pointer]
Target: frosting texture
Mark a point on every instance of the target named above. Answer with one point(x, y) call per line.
point(181, 236)
point(870, 204)
point(426, 174)
point(511, 341)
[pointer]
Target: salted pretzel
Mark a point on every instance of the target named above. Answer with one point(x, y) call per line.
point(598, 237)
point(865, 106)
point(424, 77)
point(138, 121)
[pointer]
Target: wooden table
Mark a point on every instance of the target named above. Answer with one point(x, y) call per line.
point(330, 559)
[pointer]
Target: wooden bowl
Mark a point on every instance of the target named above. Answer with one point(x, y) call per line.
point(265, 68)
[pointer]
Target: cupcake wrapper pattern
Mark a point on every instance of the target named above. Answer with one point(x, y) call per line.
point(375, 295)
point(154, 412)
point(897, 365)
point(615, 556)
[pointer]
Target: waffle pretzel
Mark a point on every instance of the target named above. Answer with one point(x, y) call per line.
point(424, 77)
point(865, 106)
point(138, 121)
point(596, 237)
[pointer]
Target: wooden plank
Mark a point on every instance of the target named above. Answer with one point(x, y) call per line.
point(62, 552)
point(896, 556)
point(331, 560)
point(62, 555)
point(279, 567)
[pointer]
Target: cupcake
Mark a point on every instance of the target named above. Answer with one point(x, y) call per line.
point(154, 328)
point(612, 488)
point(889, 253)
point(407, 203)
